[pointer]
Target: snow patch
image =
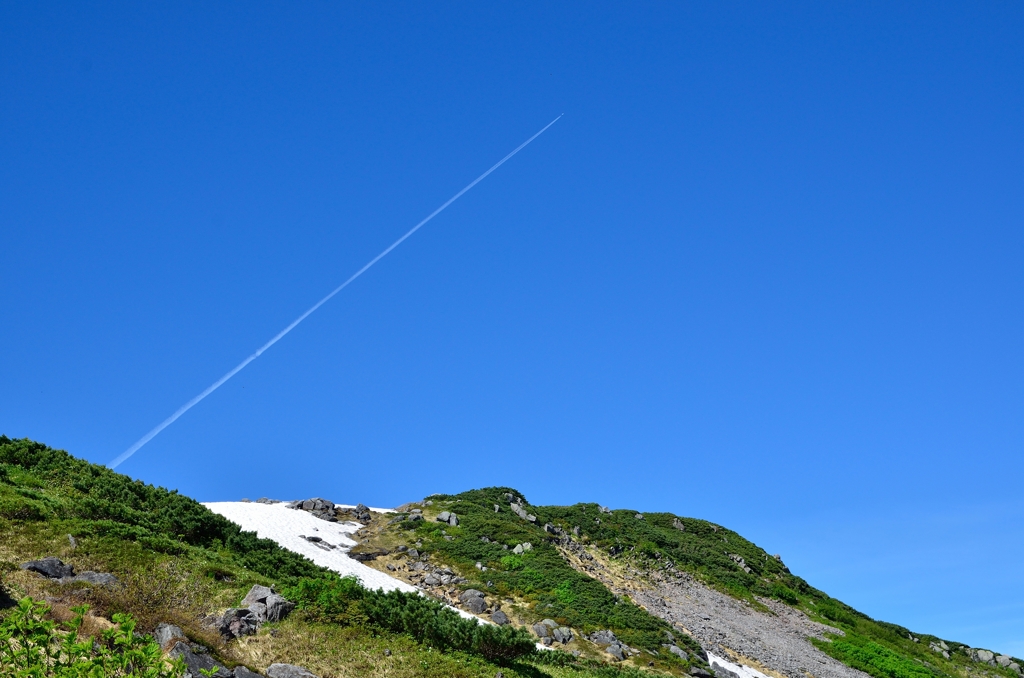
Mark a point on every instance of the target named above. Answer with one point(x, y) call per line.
point(283, 525)
point(739, 669)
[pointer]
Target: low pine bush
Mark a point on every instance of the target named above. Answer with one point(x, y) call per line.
point(344, 601)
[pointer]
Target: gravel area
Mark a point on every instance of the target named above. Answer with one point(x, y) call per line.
point(778, 641)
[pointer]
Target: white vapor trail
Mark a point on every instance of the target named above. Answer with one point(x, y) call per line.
point(277, 337)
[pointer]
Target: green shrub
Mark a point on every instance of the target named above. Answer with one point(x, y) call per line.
point(874, 659)
point(344, 601)
point(34, 647)
point(784, 593)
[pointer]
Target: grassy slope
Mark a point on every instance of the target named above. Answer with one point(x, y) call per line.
point(178, 561)
point(553, 589)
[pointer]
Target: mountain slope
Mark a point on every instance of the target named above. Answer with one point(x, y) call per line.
point(630, 594)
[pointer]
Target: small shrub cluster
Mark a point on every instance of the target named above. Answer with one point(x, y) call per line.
point(33, 647)
point(874, 659)
point(345, 601)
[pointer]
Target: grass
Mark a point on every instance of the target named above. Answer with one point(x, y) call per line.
point(177, 561)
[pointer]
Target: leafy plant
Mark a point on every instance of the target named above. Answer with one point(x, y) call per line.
point(33, 647)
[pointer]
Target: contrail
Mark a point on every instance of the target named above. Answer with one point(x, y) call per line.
point(277, 337)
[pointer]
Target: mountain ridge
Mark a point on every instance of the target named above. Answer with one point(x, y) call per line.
point(590, 569)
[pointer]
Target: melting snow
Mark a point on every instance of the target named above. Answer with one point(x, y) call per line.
point(739, 669)
point(284, 526)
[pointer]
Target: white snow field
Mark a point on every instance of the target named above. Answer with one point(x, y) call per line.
point(284, 526)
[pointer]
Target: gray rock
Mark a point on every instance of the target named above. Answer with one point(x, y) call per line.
point(431, 580)
point(497, 508)
point(51, 567)
point(562, 634)
point(550, 623)
point(604, 637)
point(1014, 666)
point(242, 672)
point(541, 630)
point(678, 524)
point(518, 550)
point(639, 516)
point(723, 672)
point(453, 520)
point(257, 594)
point(443, 517)
point(278, 607)
point(96, 578)
point(615, 650)
point(415, 517)
point(985, 656)
point(260, 610)
point(476, 605)
point(165, 633)
point(699, 672)
point(500, 618)
point(236, 622)
point(469, 594)
point(288, 671)
point(194, 662)
point(1003, 660)
point(677, 651)
point(413, 553)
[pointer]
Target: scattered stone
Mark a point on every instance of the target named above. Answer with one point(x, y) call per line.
point(50, 567)
point(473, 601)
point(604, 509)
point(639, 516)
point(562, 634)
point(71, 539)
point(615, 650)
point(431, 580)
point(500, 618)
point(288, 671)
point(497, 509)
point(413, 553)
point(264, 500)
point(518, 550)
point(243, 672)
point(678, 524)
point(699, 672)
point(196, 662)
point(165, 633)
point(387, 652)
point(604, 637)
point(541, 630)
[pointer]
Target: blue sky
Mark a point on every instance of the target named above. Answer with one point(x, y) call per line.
point(767, 270)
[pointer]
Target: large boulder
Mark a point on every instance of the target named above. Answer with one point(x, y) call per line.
point(257, 594)
point(278, 607)
point(288, 671)
point(541, 630)
point(195, 662)
point(50, 567)
point(562, 634)
point(616, 651)
point(237, 622)
point(677, 651)
point(500, 618)
point(473, 601)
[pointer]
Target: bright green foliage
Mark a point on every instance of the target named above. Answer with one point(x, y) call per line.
point(875, 659)
point(33, 647)
point(108, 504)
point(345, 601)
